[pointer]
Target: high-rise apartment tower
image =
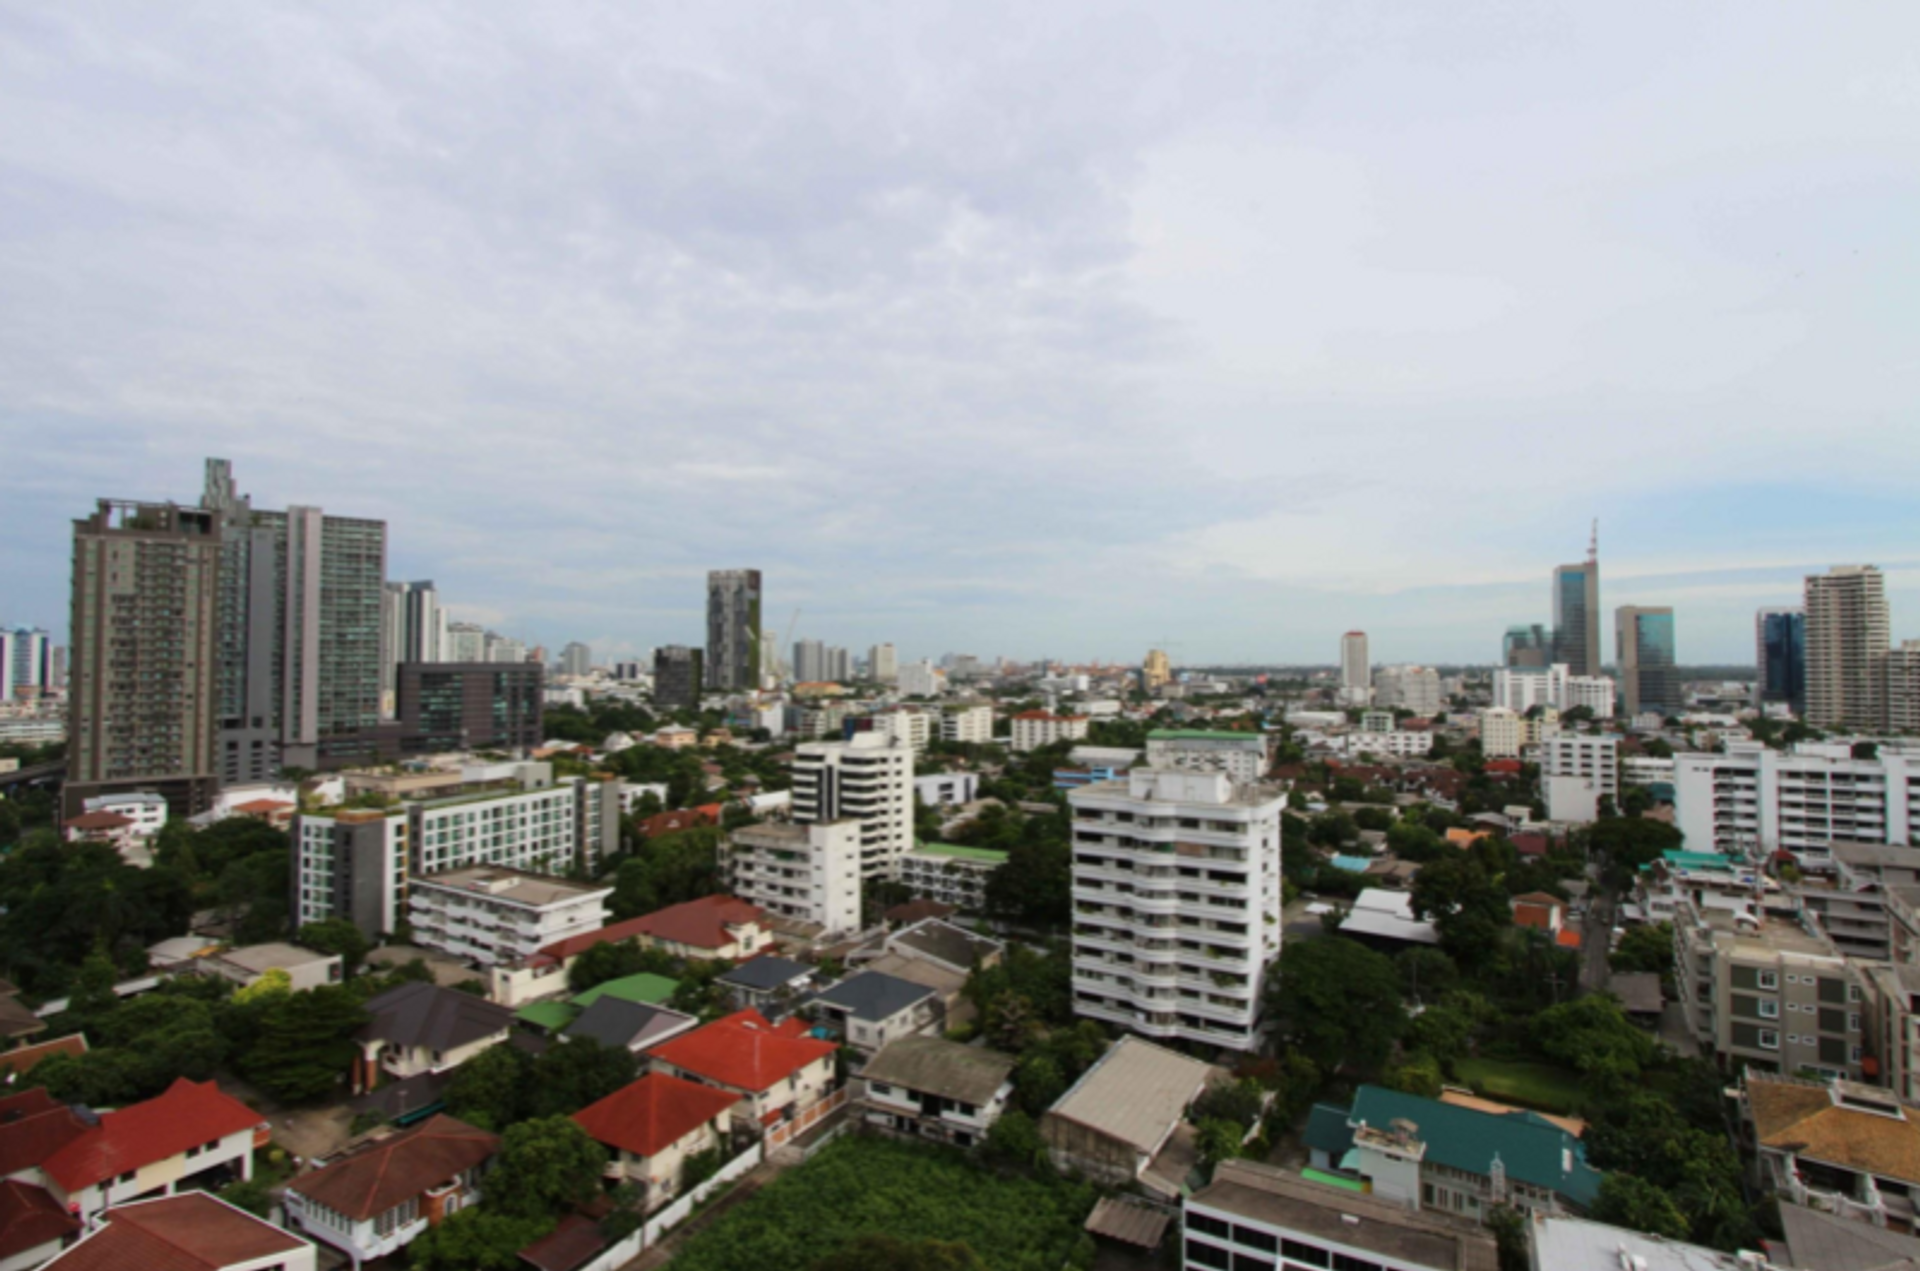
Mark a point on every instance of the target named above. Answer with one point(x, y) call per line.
point(733, 630)
point(1847, 636)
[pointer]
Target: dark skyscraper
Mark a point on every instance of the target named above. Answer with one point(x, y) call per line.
point(677, 677)
point(1576, 617)
point(1526, 646)
point(733, 630)
point(1644, 652)
point(1780, 656)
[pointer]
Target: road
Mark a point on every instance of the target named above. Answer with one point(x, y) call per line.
point(1596, 941)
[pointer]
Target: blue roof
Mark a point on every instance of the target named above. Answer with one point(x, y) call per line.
point(1353, 864)
point(1533, 1149)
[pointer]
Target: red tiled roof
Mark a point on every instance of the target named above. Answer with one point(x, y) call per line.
point(20, 1062)
point(568, 1247)
point(34, 1126)
point(186, 1115)
point(653, 1113)
point(99, 821)
point(574, 946)
point(685, 819)
point(384, 1174)
point(1569, 938)
point(699, 924)
point(1503, 765)
point(742, 1051)
point(188, 1232)
point(1529, 844)
point(29, 1218)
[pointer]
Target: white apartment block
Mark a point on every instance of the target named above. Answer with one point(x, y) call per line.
point(1376, 721)
point(1643, 770)
point(1176, 891)
point(1242, 756)
point(495, 917)
point(921, 679)
point(1522, 688)
point(947, 789)
point(1595, 692)
point(1501, 733)
point(148, 812)
point(951, 874)
point(809, 873)
point(1577, 771)
point(1398, 745)
point(1034, 729)
point(1799, 800)
point(967, 724)
point(1411, 688)
point(911, 726)
point(867, 778)
point(1903, 688)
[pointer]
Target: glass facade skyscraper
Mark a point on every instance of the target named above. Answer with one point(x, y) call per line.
point(1576, 617)
point(1644, 648)
point(1780, 639)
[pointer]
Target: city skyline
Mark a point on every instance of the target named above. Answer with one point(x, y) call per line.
point(1010, 347)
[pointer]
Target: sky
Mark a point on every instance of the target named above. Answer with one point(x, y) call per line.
point(1068, 329)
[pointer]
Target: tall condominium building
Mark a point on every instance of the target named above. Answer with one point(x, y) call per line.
point(1780, 657)
point(1847, 636)
point(1176, 897)
point(464, 706)
point(144, 679)
point(1410, 688)
point(839, 665)
point(466, 642)
point(576, 659)
point(677, 677)
point(733, 661)
point(1356, 670)
point(883, 664)
point(1644, 650)
point(299, 647)
point(1242, 756)
point(1903, 687)
point(413, 628)
point(810, 873)
point(1755, 799)
point(26, 662)
point(1526, 646)
point(809, 661)
point(1576, 617)
point(867, 778)
point(1156, 670)
point(1577, 771)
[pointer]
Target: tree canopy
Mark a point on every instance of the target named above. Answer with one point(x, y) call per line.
point(1338, 1002)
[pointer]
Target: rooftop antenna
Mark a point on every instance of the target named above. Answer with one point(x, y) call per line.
point(1593, 544)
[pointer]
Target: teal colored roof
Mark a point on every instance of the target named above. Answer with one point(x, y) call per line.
point(1683, 859)
point(1353, 864)
point(552, 1016)
point(1200, 734)
point(1328, 1131)
point(964, 853)
point(1532, 1148)
point(646, 988)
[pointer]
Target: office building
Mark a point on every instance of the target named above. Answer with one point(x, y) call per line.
point(867, 778)
point(1242, 756)
point(733, 661)
point(466, 642)
point(26, 663)
point(1156, 671)
point(576, 660)
point(454, 706)
point(1780, 657)
point(1903, 687)
point(1356, 671)
point(1407, 688)
point(1847, 637)
point(967, 724)
point(883, 664)
point(1576, 617)
point(1176, 891)
point(1527, 646)
point(677, 677)
point(1755, 799)
point(1577, 771)
point(1644, 653)
point(144, 682)
point(413, 628)
point(809, 873)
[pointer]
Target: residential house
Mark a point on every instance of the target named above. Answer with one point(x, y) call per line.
point(674, 822)
point(948, 946)
point(1851, 1149)
point(194, 1231)
point(544, 974)
point(1253, 1214)
point(651, 1127)
point(1123, 1113)
point(379, 1198)
point(305, 968)
point(1539, 911)
point(1439, 1155)
point(33, 1226)
point(111, 828)
point(423, 1028)
point(712, 928)
point(21, 1060)
point(778, 1070)
point(553, 1017)
point(929, 1087)
point(635, 1026)
point(871, 1009)
point(768, 982)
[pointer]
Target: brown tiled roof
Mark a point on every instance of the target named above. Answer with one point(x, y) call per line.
point(383, 1174)
point(1802, 1118)
point(22, 1061)
point(33, 1126)
point(99, 821)
point(700, 924)
point(188, 1232)
point(571, 1245)
point(29, 1218)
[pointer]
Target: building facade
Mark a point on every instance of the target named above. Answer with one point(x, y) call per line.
point(495, 917)
point(967, 724)
point(1780, 657)
point(1356, 668)
point(452, 706)
point(1848, 632)
point(1577, 771)
point(26, 663)
point(1242, 756)
point(677, 677)
point(1409, 688)
point(883, 664)
point(734, 656)
point(951, 874)
point(810, 873)
point(867, 778)
point(413, 628)
point(1576, 617)
point(1755, 799)
point(1156, 670)
point(1644, 653)
point(1176, 891)
point(1500, 733)
point(1034, 729)
point(1903, 687)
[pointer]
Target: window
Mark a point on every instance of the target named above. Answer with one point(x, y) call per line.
point(1768, 979)
point(1208, 1226)
point(1255, 1239)
point(1312, 1255)
point(879, 1087)
point(1251, 1262)
point(1201, 1254)
point(1853, 1023)
point(1769, 1009)
point(1769, 1040)
point(1344, 1262)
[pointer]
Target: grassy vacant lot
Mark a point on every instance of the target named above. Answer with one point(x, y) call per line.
point(860, 1186)
point(1540, 1086)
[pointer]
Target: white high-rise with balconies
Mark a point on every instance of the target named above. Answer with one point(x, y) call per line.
point(1753, 799)
point(867, 778)
point(1848, 631)
point(1176, 897)
point(1356, 672)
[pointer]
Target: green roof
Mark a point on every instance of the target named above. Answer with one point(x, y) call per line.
point(1533, 1149)
point(551, 1015)
point(1200, 734)
point(1682, 859)
point(646, 988)
point(964, 852)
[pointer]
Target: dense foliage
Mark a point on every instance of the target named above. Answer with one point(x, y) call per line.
point(1338, 1003)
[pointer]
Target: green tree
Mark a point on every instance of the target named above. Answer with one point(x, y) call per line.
point(544, 1167)
point(876, 1252)
point(487, 1091)
point(1467, 905)
point(614, 960)
point(575, 1073)
point(1647, 947)
point(1593, 1036)
point(1240, 1102)
point(1014, 1139)
point(668, 870)
point(337, 935)
point(479, 1238)
point(1338, 1002)
point(305, 1044)
point(1626, 1200)
point(1629, 843)
point(1217, 1141)
point(1417, 1074)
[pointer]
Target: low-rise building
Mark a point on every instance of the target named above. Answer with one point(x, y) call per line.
point(947, 789)
point(491, 917)
point(305, 968)
point(1578, 1244)
point(871, 1009)
point(1867, 907)
point(810, 873)
point(712, 928)
point(1242, 756)
point(939, 942)
point(950, 873)
point(972, 724)
point(1895, 1005)
point(378, 1199)
point(1500, 733)
point(778, 1071)
point(1253, 1214)
point(1121, 1115)
point(193, 1231)
point(768, 982)
point(423, 1028)
point(1851, 1149)
point(1034, 729)
point(619, 1024)
point(929, 1087)
point(148, 812)
point(652, 1126)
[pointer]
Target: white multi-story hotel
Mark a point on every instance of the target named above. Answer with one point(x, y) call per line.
point(1176, 891)
point(1755, 799)
point(967, 723)
point(810, 873)
point(1242, 756)
point(1577, 771)
point(1034, 729)
point(867, 778)
point(1501, 733)
point(493, 917)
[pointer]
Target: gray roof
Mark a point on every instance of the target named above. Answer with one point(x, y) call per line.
point(614, 1022)
point(945, 942)
point(1137, 1093)
point(428, 1015)
point(1870, 854)
point(1638, 991)
point(766, 973)
point(1822, 1241)
point(1268, 1195)
point(873, 996)
point(934, 1065)
point(1575, 1244)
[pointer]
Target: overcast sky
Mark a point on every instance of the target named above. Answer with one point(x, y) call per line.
point(1002, 328)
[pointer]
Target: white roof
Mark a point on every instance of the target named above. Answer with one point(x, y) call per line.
point(1137, 1093)
point(1574, 1244)
point(1389, 915)
point(1380, 900)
